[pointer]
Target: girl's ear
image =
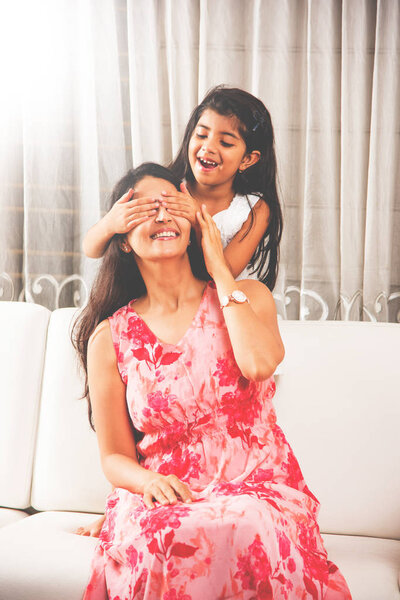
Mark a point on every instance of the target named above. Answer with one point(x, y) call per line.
point(249, 160)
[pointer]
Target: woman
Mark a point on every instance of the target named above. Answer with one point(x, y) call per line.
point(208, 500)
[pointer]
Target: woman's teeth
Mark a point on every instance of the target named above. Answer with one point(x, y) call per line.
point(164, 234)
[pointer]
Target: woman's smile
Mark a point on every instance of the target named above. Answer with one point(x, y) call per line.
point(165, 234)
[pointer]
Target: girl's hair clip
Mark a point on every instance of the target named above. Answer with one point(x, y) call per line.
point(259, 119)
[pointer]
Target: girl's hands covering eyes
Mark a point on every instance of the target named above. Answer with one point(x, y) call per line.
point(129, 211)
point(181, 204)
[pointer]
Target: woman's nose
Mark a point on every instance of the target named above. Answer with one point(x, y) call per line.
point(162, 215)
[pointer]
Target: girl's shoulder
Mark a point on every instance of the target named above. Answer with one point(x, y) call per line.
point(232, 219)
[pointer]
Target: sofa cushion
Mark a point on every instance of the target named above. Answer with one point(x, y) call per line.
point(8, 515)
point(67, 472)
point(23, 330)
point(42, 559)
point(369, 565)
point(338, 402)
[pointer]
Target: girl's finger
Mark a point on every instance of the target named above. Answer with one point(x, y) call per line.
point(126, 196)
point(171, 202)
point(178, 213)
point(137, 221)
point(136, 214)
point(134, 202)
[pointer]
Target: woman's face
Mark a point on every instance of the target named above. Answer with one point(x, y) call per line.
point(161, 236)
point(216, 149)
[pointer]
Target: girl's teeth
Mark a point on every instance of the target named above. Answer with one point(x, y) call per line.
point(207, 163)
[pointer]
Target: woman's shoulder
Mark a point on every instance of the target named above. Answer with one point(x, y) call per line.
point(106, 328)
point(100, 343)
point(257, 292)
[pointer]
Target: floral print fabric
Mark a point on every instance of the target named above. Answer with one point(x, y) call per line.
point(251, 532)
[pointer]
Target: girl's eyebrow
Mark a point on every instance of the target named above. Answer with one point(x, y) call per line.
point(221, 132)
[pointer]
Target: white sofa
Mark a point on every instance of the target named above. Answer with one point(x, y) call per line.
point(338, 401)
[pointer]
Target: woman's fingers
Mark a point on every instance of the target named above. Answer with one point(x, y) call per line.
point(183, 491)
point(166, 491)
point(184, 189)
point(148, 499)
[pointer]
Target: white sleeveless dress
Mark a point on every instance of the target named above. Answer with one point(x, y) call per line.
point(231, 220)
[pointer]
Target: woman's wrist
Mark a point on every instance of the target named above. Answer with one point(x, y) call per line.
point(224, 280)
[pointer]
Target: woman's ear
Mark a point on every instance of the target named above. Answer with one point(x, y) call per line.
point(249, 160)
point(124, 246)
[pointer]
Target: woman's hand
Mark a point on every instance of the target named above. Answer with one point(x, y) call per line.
point(128, 212)
point(181, 204)
point(211, 243)
point(165, 489)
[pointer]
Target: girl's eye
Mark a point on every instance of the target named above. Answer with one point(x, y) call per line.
point(201, 136)
point(226, 145)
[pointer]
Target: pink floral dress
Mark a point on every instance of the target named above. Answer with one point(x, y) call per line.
point(252, 532)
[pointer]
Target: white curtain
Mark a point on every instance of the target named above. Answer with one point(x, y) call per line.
point(92, 87)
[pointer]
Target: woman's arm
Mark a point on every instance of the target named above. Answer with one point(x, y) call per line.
point(240, 249)
point(252, 327)
point(113, 427)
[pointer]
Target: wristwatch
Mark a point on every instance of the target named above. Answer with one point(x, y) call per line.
point(237, 296)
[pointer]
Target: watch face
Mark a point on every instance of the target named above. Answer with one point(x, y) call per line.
point(225, 301)
point(239, 296)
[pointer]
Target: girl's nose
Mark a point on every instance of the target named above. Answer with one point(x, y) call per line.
point(208, 146)
point(162, 215)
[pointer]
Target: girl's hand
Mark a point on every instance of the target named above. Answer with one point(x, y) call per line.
point(128, 212)
point(165, 489)
point(211, 243)
point(181, 204)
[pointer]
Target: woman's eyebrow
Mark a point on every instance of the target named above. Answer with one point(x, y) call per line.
point(221, 132)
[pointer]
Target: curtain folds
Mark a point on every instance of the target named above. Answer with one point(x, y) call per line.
point(94, 87)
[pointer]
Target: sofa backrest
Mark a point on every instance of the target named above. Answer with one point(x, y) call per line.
point(338, 402)
point(67, 473)
point(23, 331)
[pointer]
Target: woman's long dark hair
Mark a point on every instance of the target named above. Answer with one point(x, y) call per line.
point(118, 280)
point(255, 127)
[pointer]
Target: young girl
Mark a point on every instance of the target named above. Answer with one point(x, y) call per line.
point(227, 159)
point(228, 162)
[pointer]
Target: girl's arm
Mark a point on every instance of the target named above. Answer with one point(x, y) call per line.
point(252, 327)
point(113, 428)
point(125, 214)
point(239, 251)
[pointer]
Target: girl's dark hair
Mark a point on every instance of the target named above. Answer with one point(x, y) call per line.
point(255, 127)
point(118, 280)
